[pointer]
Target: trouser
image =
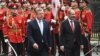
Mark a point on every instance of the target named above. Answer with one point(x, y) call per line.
point(57, 43)
point(57, 40)
point(18, 48)
point(72, 51)
point(87, 46)
point(3, 44)
point(43, 51)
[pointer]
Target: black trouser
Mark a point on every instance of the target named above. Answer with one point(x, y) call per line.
point(43, 51)
point(72, 51)
point(2, 43)
point(87, 45)
point(57, 40)
point(18, 48)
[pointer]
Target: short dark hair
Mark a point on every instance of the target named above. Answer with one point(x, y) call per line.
point(38, 9)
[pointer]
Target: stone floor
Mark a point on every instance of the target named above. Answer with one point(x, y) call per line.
point(96, 51)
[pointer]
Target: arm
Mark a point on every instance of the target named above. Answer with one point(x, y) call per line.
point(29, 34)
point(5, 29)
point(80, 37)
point(89, 21)
point(62, 30)
point(49, 36)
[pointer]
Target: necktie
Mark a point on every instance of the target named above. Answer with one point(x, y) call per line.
point(72, 25)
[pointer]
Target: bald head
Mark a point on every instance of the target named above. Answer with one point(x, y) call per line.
point(71, 14)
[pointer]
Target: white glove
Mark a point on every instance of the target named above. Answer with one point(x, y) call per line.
point(53, 21)
point(51, 28)
point(62, 48)
point(66, 17)
point(86, 34)
point(5, 17)
point(28, 20)
point(63, 8)
point(6, 40)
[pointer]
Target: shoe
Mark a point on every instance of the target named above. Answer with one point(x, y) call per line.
point(4, 54)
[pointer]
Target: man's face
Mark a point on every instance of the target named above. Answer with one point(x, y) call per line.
point(72, 15)
point(35, 5)
point(82, 4)
point(40, 14)
point(74, 4)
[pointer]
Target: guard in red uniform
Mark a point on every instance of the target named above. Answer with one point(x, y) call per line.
point(48, 15)
point(60, 16)
point(74, 6)
point(86, 25)
point(47, 1)
point(13, 27)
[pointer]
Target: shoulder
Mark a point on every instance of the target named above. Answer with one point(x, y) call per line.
point(64, 21)
point(77, 22)
point(31, 21)
point(77, 9)
point(88, 10)
point(45, 21)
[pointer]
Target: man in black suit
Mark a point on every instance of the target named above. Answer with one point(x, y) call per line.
point(38, 35)
point(70, 35)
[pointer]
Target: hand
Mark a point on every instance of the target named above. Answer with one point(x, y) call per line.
point(51, 28)
point(82, 46)
point(66, 17)
point(86, 34)
point(53, 21)
point(5, 36)
point(62, 48)
point(63, 8)
point(35, 45)
point(50, 48)
point(6, 40)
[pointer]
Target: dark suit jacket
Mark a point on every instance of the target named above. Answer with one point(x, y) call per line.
point(67, 36)
point(34, 35)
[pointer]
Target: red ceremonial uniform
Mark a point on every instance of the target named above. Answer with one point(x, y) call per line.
point(86, 19)
point(13, 29)
point(47, 1)
point(61, 15)
point(32, 15)
point(2, 14)
point(77, 14)
point(48, 16)
point(25, 15)
point(33, 1)
point(41, 1)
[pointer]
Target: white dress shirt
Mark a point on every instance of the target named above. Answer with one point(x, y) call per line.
point(40, 24)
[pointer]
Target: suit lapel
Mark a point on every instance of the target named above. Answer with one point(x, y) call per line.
point(44, 27)
point(69, 27)
point(75, 25)
point(36, 23)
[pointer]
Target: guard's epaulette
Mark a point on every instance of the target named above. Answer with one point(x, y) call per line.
point(77, 9)
point(88, 10)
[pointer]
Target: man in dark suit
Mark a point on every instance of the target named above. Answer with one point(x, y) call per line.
point(38, 35)
point(70, 35)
